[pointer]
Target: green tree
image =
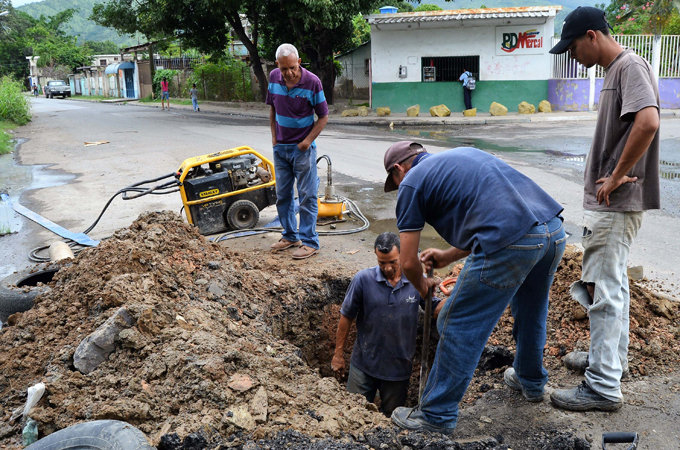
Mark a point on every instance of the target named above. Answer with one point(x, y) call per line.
point(14, 43)
point(318, 28)
point(427, 7)
point(642, 16)
point(362, 31)
point(202, 25)
point(102, 47)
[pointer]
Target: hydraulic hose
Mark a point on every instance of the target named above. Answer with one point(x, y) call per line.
point(137, 190)
point(353, 210)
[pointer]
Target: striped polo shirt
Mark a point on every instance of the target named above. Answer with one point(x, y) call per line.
point(295, 107)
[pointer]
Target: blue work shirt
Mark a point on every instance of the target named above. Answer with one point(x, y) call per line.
point(464, 78)
point(387, 324)
point(472, 199)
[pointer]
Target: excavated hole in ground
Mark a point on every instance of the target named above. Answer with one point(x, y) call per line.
point(312, 328)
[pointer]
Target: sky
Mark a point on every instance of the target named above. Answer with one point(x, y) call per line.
point(17, 3)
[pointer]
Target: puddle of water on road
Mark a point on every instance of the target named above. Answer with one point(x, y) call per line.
point(16, 179)
point(667, 170)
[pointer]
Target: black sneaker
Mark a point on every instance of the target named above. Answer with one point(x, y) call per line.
point(512, 380)
point(412, 419)
point(578, 362)
point(583, 398)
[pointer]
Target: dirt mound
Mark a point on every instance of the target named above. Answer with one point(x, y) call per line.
point(200, 353)
point(654, 330)
point(238, 345)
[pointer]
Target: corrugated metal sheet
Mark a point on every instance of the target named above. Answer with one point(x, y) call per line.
point(464, 14)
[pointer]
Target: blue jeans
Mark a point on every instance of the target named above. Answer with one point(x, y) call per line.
point(291, 164)
point(194, 102)
point(520, 275)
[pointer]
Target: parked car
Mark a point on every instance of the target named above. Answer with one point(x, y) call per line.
point(57, 88)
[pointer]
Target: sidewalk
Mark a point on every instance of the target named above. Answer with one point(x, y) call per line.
point(260, 110)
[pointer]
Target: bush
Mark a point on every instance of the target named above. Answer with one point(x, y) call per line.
point(158, 77)
point(226, 80)
point(14, 106)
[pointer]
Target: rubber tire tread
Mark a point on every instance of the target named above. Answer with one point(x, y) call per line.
point(95, 435)
point(13, 300)
point(237, 205)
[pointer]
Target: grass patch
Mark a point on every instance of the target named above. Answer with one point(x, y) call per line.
point(172, 101)
point(6, 143)
point(5, 229)
point(97, 98)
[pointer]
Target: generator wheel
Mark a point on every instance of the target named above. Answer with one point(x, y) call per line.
point(242, 214)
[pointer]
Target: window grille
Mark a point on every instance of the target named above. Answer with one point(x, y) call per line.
point(449, 68)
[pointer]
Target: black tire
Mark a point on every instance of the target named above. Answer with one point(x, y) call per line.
point(14, 298)
point(99, 434)
point(242, 214)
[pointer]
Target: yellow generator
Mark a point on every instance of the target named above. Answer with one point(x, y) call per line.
point(226, 190)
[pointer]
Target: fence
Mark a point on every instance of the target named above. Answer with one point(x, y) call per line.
point(564, 67)
point(177, 63)
point(352, 83)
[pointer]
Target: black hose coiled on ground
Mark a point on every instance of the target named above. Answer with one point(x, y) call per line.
point(138, 191)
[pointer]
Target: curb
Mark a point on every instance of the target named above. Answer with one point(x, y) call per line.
point(397, 121)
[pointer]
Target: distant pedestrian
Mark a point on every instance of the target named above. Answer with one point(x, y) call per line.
point(165, 93)
point(35, 90)
point(621, 182)
point(194, 97)
point(466, 77)
point(295, 95)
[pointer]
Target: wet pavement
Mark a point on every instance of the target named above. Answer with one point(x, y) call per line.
point(146, 142)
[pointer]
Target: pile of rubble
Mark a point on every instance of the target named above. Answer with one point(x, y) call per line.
point(180, 337)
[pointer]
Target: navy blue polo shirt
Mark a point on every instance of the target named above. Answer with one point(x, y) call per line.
point(472, 199)
point(387, 324)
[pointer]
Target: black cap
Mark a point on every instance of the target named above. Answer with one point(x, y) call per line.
point(577, 23)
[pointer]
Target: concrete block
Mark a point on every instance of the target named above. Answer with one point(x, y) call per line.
point(350, 113)
point(526, 108)
point(636, 273)
point(413, 111)
point(383, 111)
point(496, 109)
point(363, 111)
point(544, 106)
point(96, 348)
point(440, 111)
point(470, 112)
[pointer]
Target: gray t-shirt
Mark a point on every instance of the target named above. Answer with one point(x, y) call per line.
point(194, 93)
point(629, 86)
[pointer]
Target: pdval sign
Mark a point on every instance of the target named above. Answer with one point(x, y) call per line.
point(520, 40)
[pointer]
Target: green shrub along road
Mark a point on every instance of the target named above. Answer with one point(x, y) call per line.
point(15, 109)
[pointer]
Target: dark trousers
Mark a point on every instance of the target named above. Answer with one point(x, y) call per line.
point(392, 393)
point(467, 94)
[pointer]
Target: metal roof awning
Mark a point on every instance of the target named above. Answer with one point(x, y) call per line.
point(465, 14)
point(114, 68)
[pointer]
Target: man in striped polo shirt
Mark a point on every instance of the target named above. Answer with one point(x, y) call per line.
point(294, 95)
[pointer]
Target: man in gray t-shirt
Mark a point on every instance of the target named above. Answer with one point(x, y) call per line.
point(621, 181)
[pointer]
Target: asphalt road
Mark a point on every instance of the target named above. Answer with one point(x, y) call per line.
point(76, 181)
point(55, 175)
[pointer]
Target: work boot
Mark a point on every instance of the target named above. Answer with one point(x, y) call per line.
point(583, 398)
point(578, 361)
point(305, 252)
point(512, 380)
point(412, 419)
point(284, 244)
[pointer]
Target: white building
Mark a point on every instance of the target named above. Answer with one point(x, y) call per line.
point(354, 79)
point(417, 58)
